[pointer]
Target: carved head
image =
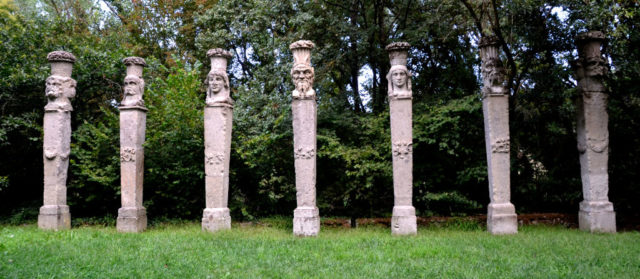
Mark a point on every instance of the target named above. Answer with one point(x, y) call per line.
point(595, 66)
point(133, 85)
point(218, 87)
point(217, 81)
point(303, 76)
point(399, 79)
point(494, 75)
point(57, 86)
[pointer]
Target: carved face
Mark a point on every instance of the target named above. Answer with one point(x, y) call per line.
point(132, 86)
point(302, 77)
point(216, 82)
point(493, 72)
point(53, 87)
point(57, 86)
point(595, 66)
point(399, 78)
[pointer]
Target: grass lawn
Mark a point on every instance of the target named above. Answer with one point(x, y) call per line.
point(184, 251)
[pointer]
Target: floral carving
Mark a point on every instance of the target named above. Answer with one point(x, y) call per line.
point(304, 153)
point(61, 56)
point(402, 150)
point(500, 145)
point(213, 158)
point(128, 154)
point(134, 61)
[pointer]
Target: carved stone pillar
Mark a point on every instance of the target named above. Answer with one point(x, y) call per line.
point(218, 119)
point(596, 212)
point(306, 217)
point(60, 89)
point(501, 216)
point(132, 216)
point(403, 220)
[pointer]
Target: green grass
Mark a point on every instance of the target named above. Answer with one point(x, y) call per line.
point(184, 251)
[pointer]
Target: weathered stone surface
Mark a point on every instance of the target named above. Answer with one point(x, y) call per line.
point(215, 219)
point(306, 221)
point(131, 219)
point(501, 215)
point(306, 218)
point(218, 122)
point(403, 220)
point(596, 212)
point(133, 118)
point(60, 89)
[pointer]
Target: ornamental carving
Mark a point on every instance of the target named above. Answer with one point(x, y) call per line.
point(218, 52)
point(399, 77)
point(213, 158)
point(493, 74)
point(61, 56)
point(302, 73)
point(304, 153)
point(59, 91)
point(50, 152)
point(133, 90)
point(134, 61)
point(500, 145)
point(402, 150)
point(590, 67)
point(218, 90)
point(127, 154)
point(598, 145)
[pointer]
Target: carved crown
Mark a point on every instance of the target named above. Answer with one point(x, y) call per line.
point(133, 60)
point(590, 36)
point(302, 52)
point(398, 53)
point(218, 52)
point(61, 56)
point(219, 59)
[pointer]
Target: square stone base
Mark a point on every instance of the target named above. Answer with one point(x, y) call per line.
point(306, 221)
point(131, 219)
point(597, 217)
point(502, 218)
point(215, 219)
point(403, 221)
point(54, 217)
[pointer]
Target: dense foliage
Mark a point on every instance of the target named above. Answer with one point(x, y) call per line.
point(354, 160)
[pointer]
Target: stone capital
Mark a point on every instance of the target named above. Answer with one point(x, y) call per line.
point(61, 56)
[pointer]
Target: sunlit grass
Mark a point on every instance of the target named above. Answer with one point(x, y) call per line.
point(269, 250)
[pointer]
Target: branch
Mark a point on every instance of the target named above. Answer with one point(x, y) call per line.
point(476, 20)
point(495, 27)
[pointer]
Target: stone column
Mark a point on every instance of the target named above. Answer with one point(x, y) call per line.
point(596, 212)
point(501, 216)
point(306, 217)
point(60, 89)
point(218, 117)
point(403, 220)
point(132, 216)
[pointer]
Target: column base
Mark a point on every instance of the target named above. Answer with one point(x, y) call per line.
point(215, 219)
point(131, 219)
point(403, 221)
point(54, 217)
point(597, 216)
point(306, 221)
point(502, 218)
